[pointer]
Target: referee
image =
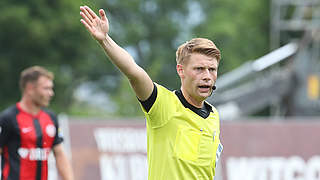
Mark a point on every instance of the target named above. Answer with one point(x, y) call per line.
point(183, 129)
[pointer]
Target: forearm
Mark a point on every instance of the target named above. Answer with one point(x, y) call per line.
point(64, 169)
point(120, 58)
point(139, 79)
point(63, 164)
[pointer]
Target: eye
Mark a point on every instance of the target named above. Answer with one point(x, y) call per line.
point(212, 69)
point(199, 68)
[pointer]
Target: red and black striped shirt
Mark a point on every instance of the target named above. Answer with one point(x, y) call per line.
point(26, 141)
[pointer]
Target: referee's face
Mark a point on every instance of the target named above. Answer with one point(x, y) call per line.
point(198, 75)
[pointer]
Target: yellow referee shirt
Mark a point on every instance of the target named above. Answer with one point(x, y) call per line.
point(182, 145)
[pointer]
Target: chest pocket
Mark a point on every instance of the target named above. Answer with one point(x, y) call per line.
point(194, 146)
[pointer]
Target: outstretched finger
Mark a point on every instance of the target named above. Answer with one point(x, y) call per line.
point(86, 25)
point(93, 15)
point(86, 13)
point(85, 18)
point(102, 15)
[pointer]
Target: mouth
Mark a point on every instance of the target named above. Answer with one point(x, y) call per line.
point(204, 88)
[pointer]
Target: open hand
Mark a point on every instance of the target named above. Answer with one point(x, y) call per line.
point(97, 26)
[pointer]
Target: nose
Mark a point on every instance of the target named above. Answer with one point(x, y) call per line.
point(206, 75)
point(51, 93)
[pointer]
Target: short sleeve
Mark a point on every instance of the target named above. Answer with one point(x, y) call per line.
point(58, 137)
point(157, 116)
point(147, 104)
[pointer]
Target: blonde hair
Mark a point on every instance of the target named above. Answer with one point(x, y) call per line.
point(32, 74)
point(197, 45)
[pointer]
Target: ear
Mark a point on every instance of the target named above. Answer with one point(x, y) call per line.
point(180, 70)
point(29, 87)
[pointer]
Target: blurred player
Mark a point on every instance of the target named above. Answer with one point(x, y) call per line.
point(28, 133)
point(182, 128)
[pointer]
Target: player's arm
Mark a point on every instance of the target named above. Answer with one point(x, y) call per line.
point(4, 131)
point(62, 162)
point(99, 28)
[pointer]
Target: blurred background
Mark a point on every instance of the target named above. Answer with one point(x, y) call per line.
point(267, 93)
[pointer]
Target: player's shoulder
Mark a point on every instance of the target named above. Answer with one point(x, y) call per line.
point(8, 115)
point(9, 112)
point(50, 113)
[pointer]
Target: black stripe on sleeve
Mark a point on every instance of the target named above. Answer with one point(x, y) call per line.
point(147, 104)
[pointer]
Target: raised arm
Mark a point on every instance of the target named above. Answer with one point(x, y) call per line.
point(98, 27)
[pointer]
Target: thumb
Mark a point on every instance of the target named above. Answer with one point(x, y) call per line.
point(102, 15)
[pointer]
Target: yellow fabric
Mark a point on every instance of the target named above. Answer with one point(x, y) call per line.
point(181, 144)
